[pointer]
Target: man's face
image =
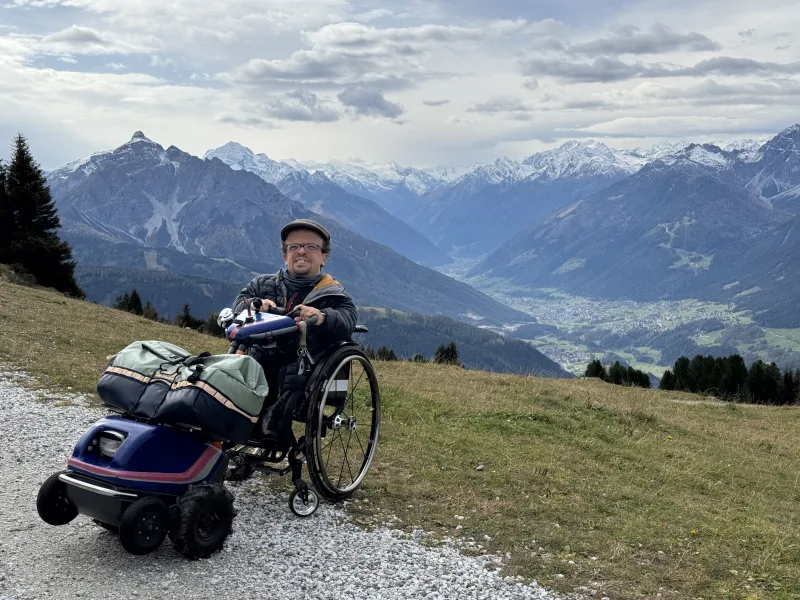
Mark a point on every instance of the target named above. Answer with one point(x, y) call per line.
point(302, 262)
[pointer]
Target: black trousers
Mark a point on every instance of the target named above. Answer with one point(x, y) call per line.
point(286, 393)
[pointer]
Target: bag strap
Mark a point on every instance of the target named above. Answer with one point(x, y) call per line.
point(195, 374)
point(173, 360)
point(193, 360)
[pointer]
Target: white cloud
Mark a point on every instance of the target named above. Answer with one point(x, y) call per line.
point(208, 72)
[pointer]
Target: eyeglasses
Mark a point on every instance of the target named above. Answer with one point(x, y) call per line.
point(310, 248)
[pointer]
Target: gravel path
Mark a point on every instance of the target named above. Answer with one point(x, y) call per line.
point(271, 554)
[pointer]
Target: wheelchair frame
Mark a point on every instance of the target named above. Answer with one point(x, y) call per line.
point(320, 421)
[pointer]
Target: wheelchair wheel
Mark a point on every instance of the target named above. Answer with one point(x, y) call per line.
point(342, 425)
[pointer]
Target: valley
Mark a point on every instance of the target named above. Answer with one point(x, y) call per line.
point(574, 330)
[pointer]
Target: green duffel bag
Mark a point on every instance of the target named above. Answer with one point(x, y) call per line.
point(140, 373)
point(163, 383)
point(220, 394)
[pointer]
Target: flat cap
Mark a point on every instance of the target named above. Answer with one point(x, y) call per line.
point(305, 224)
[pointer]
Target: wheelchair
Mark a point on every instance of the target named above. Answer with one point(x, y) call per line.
point(338, 418)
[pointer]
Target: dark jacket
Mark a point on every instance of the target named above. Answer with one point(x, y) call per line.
point(328, 296)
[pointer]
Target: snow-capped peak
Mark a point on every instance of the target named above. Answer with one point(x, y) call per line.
point(239, 157)
point(138, 136)
point(365, 178)
point(579, 159)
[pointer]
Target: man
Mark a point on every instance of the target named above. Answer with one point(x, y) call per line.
point(306, 246)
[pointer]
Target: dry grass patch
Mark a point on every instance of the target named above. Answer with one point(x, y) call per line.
point(628, 492)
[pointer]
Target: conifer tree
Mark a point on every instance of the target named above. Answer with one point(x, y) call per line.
point(7, 219)
point(447, 355)
point(149, 311)
point(596, 369)
point(33, 240)
point(135, 303)
point(667, 381)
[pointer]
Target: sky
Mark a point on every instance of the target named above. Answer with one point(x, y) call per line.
point(422, 83)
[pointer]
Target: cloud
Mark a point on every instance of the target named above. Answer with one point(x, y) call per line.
point(372, 15)
point(747, 34)
point(301, 105)
point(606, 69)
point(712, 93)
point(67, 59)
point(350, 53)
point(369, 102)
point(253, 121)
point(115, 65)
point(531, 83)
point(435, 102)
point(632, 40)
point(670, 127)
point(85, 40)
point(501, 104)
point(161, 63)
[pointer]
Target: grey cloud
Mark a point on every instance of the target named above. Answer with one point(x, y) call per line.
point(354, 53)
point(531, 83)
point(632, 40)
point(76, 34)
point(301, 105)
point(602, 69)
point(500, 104)
point(747, 34)
point(725, 65)
point(369, 102)
point(435, 102)
point(712, 93)
point(244, 121)
point(77, 39)
point(549, 43)
point(606, 69)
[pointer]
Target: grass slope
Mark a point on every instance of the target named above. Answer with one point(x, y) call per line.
point(628, 492)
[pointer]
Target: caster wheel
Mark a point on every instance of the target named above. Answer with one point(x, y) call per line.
point(52, 503)
point(303, 509)
point(144, 525)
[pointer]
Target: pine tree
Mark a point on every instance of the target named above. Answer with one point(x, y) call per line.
point(667, 381)
point(185, 319)
point(787, 393)
point(446, 355)
point(149, 312)
point(34, 241)
point(123, 302)
point(7, 219)
point(596, 369)
point(136, 303)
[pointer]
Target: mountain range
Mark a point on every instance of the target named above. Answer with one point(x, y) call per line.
point(140, 205)
point(703, 222)
point(678, 220)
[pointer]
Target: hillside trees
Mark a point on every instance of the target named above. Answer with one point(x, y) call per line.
point(618, 374)
point(29, 224)
point(729, 378)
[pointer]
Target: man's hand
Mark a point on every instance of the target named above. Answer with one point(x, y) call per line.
point(306, 312)
point(265, 304)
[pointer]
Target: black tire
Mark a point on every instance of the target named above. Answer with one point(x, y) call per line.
point(362, 405)
point(238, 469)
point(205, 520)
point(52, 503)
point(107, 526)
point(144, 525)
